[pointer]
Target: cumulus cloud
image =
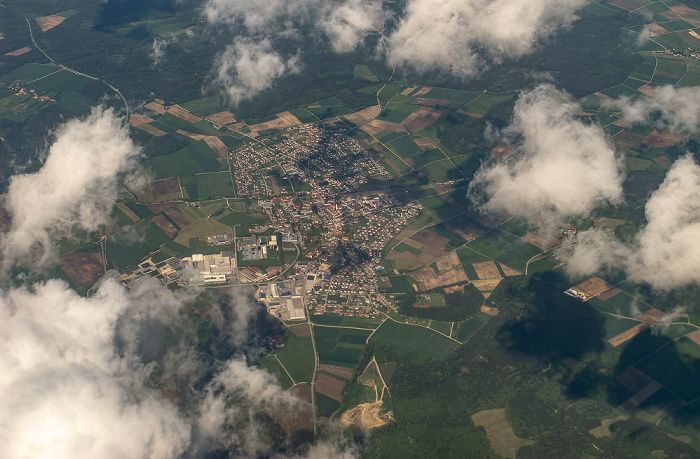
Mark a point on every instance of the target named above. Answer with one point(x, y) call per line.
point(563, 167)
point(460, 36)
point(666, 252)
point(75, 188)
point(344, 22)
point(673, 108)
point(348, 23)
point(66, 391)
point(248, 67)
point(75, 383)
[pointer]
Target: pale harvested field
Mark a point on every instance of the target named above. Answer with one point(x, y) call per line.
point(155, 107)
point(500, 434)
point(656, 29)
point(486, 270)
point(343, 372)
point(217, 145)
point(137, 120)
point(224, 117)
point(154, 131)
point(330, 387)
point(627, 335)
point(283, 120)
point(128, 212)
point(374, 127)
point(364, 115)
point(473, 115)
point(408, 90)
point(509, 272)
point(183, 114)
point(592, 287)
point(652, 315)
point(19, 52)
point(695, 336)
point(424, 143)
point(191, 135)
point(451, 272)
point(300, 330)
point(423, 90)
point(421, 118)
point(49, 22)
point(488, 310)
point(486, 286)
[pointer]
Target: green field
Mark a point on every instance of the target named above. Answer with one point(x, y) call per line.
point(483, 103)
point(132, 244)
point(505, 248)
point(415, 340)
point(675, 366)
point(345, 321)
point(213, 185)
point(272, 365)
point(190, 160)
point(362, 72)
point(297, 356)
point(340, 346)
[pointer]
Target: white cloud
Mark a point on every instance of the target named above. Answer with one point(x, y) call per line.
point(347, 23)
point(248, 67)
point(75, 187)
point(344, 22)
point(666, 252)
point(677, 109)
point(563, 167)
point(460, 36)
point(66, 391)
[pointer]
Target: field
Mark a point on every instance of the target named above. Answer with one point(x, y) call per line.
point(129, 246)
point(190, 160)
point(297, 357)
point(505, 248)
point(340, 347)
point(82, 268)
point(330, 386)
point(345, 321)
point(449, 269)
point(214, 185)
point(416, 340)
point(503, 440)
point(272, 365)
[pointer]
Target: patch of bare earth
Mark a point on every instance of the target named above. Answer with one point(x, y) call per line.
point(503, 440)
point(82, 268)
point(49, 22)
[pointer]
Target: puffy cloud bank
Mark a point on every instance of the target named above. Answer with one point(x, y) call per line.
point(247, 67)
point(251, 65)
point(563, 167)
point(666, 252)
point(75, 188)
point(461, 36)
point(677, 109)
